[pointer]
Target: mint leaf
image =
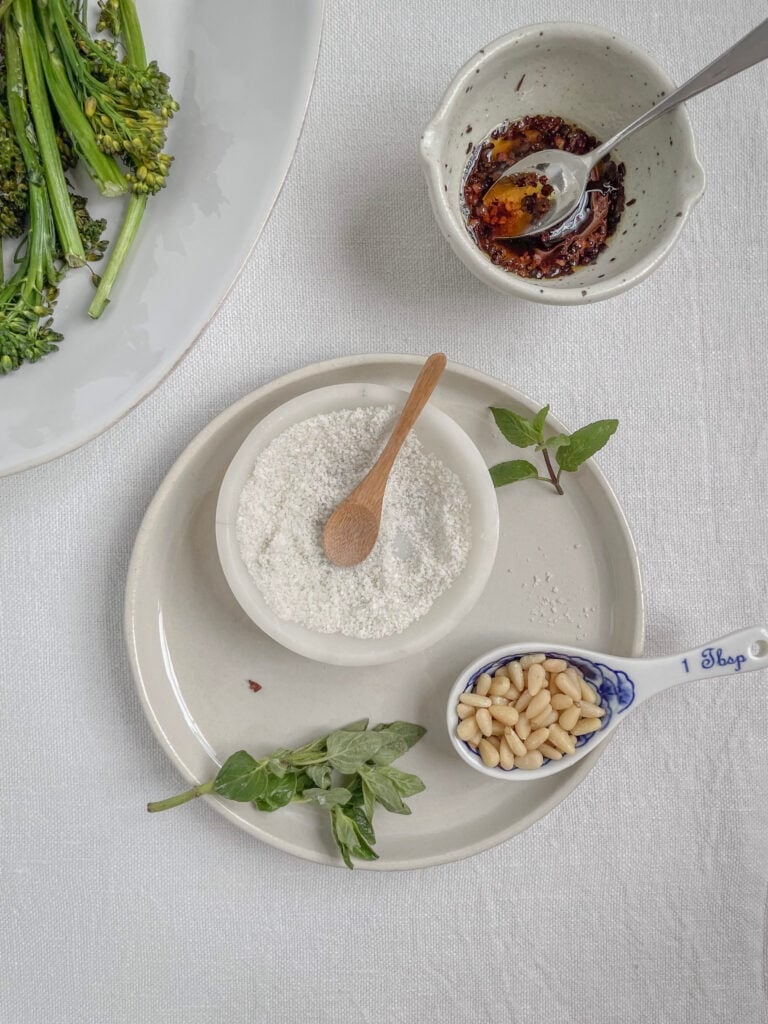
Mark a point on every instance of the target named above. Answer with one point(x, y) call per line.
point(584, 443)
point(349, 837)
point(320, 774)
point(538, 422)
point(327, 797)
point(517, 430)
point(407, 731)
point(405, 783)
point(277, 792)
point(347, 751)
point(391, 748)
point(241, 778)
point(362, 822)
point(384, 789)
point(369, 800)
point(556, 441)
point(510, 472)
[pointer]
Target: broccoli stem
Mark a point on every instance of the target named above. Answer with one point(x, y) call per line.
point(41, 242)
point(63, 214)
point(137, 204)
point(133, 39)
point(109, 180)
point(136, 56)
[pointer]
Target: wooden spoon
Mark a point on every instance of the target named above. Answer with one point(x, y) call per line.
point(353, 527)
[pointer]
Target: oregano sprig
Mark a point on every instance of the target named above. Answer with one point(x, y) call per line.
point(570, 450)
point(347, 772)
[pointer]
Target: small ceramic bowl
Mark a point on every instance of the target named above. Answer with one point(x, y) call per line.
point(601, 82)
point(614, 689)
point(438, 434)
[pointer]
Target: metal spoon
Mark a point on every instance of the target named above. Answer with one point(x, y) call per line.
point(621, 683)
point(353, 527)
point(568, 174)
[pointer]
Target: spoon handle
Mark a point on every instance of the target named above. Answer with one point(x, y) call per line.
point(750, 50)
point(744, 651)
point(424, 385)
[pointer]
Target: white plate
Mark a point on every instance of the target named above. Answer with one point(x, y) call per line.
point(242, 73)
point(566, 572)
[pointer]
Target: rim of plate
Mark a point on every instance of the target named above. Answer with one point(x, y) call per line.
point(155, 381)
point(571, 779)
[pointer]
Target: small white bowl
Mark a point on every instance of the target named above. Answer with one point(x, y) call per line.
point(438, 434)
point(615, 691)
point(600, 82)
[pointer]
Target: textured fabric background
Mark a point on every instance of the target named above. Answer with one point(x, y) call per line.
point(643, 897)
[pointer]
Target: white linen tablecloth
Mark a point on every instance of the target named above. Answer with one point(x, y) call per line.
point(642, 900)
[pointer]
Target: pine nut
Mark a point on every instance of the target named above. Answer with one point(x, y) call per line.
point(467, 729)
point(507, 715)
point(500, 686)
point(535, 740)
point(506, 757)
point(538, 704)
point(465, 711)
point(537, 679)
point(551, 752)
point(484, 720)
point(566, 684)
point(495, 740)
point(523, 728)
point(561, 701)
point(475, 700)
point(500, 673)
point(554, 665)
point(545, 718)
point(588, 693)
point(523, 700)
point(531, 659)
point(483, 684)
point(591, 710)
point(568, 718)
point(529, 761)
point(514, 742)
point(489, 754)
point(515, 673)
point(497, 728)
point(560, 739)
point(584, 726)
point(499, 701)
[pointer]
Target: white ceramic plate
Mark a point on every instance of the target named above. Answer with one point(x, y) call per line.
point(566, 572)
point(242, 73)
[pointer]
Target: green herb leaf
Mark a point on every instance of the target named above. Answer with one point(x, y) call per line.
point(517, 430)
point(538, 422)
point(405, 783)
point(369, 800)
point(383, 789)
point(584, 443)
point(556, 441)
point(241, 777)
point(407, 731)
point(510, 472)
point(277, 792)
point(320, 774)
point(327, 797)
point(347, 751)
point(349, 838)
point(363, 821)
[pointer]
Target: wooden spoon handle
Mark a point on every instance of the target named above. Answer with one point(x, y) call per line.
point(424, 385)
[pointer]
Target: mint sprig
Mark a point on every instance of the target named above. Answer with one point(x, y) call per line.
point(359, 758)
point(570, 450)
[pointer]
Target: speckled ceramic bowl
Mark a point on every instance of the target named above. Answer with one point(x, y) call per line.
point(601, 82)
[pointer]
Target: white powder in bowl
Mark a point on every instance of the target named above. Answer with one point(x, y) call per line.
point(296, 483)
